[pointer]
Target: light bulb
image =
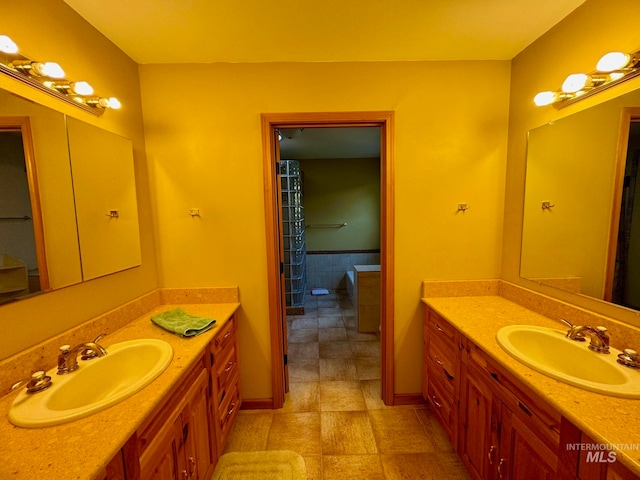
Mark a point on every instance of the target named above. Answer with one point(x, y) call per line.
point(53, 70)
point(82, 88)
point(7, 45)
point(545, 98)
point(613, 61)
point(47, 69)
point(114, 103)
point(575, 82)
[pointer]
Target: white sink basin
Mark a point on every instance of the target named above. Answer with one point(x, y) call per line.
point(127, 368)
point(548, 351)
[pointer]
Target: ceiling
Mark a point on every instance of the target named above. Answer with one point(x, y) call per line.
point(207, 31)
point(331, 142)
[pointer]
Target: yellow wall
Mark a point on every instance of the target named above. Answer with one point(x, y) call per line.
point(574, 45)
point(202, 129)
point(50, 30)
point(342, 191)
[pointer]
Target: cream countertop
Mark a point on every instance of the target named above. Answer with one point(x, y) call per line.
point(79, 450)
point(605, 419)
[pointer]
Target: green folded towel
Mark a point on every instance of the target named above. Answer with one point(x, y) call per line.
point(180, 322)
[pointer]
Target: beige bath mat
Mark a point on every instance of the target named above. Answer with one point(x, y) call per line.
point(271, 465)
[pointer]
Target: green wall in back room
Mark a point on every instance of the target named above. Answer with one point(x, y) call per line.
point(342, 191)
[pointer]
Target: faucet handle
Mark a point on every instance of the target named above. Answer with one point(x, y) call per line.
point(599, 340)
point(36, 383)
point(602, 332)
point(629, 358)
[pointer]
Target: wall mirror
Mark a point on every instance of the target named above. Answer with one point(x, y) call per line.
point(50, 229)
point(581, 232)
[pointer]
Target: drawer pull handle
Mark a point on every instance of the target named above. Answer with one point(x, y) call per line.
point(495, 376)
point(448, 375)
point(231, 409)
point(502, 460)
point(438, 361)
point(226, 335)
point(435, 401)
point(192, 465)
point(439, 328)
point(185, 475)
point(524, 408)
point(229, 367)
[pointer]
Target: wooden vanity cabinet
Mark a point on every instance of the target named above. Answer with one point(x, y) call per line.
point(500, 429)
point(177, 442)
point(225, 374)
point(442, 345)
point(114, 470)
point(521, 434)
point(505, 431)
point(184, 437)
point(593, 463)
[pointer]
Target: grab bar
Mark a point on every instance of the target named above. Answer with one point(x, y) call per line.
point(326, 225)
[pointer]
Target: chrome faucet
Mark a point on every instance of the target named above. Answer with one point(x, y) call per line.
point(68, 357)
point(599, 338)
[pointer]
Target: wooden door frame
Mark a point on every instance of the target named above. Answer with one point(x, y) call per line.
point(384, 120)
point(23, 125)
point(629, 114)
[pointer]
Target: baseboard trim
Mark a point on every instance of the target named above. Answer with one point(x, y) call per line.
point(257, 404)
point(408, 399)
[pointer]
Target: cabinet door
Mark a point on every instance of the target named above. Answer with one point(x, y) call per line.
point(523, 456)
point(197, 432)
point(478, 438)
point(159, 462)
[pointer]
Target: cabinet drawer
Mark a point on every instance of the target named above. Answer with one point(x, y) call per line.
point(442, 405)
point(536, 413)
point(225, 337)
point(229, 407)
point(442, 364)
point(226, 372)
point(440, 328)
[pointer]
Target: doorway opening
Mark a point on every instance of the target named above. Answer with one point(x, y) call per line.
point(624, 255)
point(272, 124)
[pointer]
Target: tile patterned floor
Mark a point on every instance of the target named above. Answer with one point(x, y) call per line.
point(333, 415)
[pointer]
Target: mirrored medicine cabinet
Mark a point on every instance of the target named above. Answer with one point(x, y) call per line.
point(68, 209)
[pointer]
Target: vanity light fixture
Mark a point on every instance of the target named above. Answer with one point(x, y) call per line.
point(49, 77)
point(613, 68)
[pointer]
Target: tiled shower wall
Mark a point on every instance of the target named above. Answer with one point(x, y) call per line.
point(328, 270)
